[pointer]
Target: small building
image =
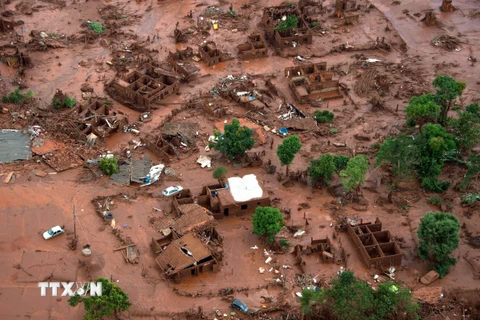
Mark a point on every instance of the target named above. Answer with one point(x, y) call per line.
point(312, 82)
point(240, 196)
point(186, 257)
point(254, 48)
point(376, 246)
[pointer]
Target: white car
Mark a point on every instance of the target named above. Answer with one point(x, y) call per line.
point(172, 190)
point(53, 232)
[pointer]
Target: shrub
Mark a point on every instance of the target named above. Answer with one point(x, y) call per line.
point(333, 130)
point(435, 201)
point(285, 243)
point(340, 162)
point(289, 23)
point(322, 116)
point(353, 176)
point(109, 165)
point(322, 169)
point(470, 198)
point(95, 26)
point(16, 97)
point(70, 102)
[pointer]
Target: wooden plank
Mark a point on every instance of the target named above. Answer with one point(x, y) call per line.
point(130, 245)
point(9, 177)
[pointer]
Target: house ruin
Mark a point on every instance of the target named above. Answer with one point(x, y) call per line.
point(312, 82)
point(179, 59)
point(210, 54)
point(376, 246)
point(185, 257)
point(254, 48)
point(141, 88)
point(274, 16)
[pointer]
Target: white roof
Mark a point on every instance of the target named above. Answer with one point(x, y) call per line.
point(244, 189)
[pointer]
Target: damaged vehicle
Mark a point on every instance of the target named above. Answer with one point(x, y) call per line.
point(172, 190)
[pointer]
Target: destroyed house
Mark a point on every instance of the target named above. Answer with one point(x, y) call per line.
point(255, 47)
point(274, 16)
point(312, 82)
point(210, 54)
point(142, 87)
point(376, 246)
point(6, 25)
point(159, 147)
point(97, 119)
point(240, 196)
point(185, 257)
point(179, 62)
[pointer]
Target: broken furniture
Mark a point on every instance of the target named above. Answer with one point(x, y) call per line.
point(274, 16)
point(141, 88)
point(211, 54)
point(254, 48)
point(376, 246)
point(312, 82)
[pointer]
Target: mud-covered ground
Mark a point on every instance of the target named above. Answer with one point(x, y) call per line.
point(30, 204)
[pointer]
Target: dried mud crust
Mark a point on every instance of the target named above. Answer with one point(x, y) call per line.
point(69, 56)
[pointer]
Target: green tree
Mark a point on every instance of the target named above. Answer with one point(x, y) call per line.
point(466, 128)
point(400, 152)
point(267, 221)
point(235, 141)
point(432, 144)
point(287, 150)
point(340, 162)
point(350, 299)
point(447, 91)
point(109, 165)
point(354, 175)
point(322, 169)
point(112, 301)
point(322, 116)
point(220, 172)
point(422, 109)
point(438, 235)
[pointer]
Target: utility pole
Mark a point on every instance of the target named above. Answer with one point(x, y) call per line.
point(74, 222)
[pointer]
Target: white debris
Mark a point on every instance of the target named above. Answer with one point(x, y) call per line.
point(299, 233)
point(261, 270)
point(299, 294)
point(154, 174)
point(270, 270)
point(373, 60)
point(268, 260)
point(204, 161)
point(254, 247)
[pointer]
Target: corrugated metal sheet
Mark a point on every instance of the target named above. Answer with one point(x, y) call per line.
point(140, 169)
point(14, 145)
point(123, 175)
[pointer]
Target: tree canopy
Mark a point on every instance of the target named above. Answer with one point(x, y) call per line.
point(267, 221)
point(350, 299)
point(322, 116)
point(287, 150)
point(322, 169)
point(447, 91)
point(235, 141)
point(112, 301)
point(438, 235)
point(354, 174)
point(422, 109)
point(219, 172)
